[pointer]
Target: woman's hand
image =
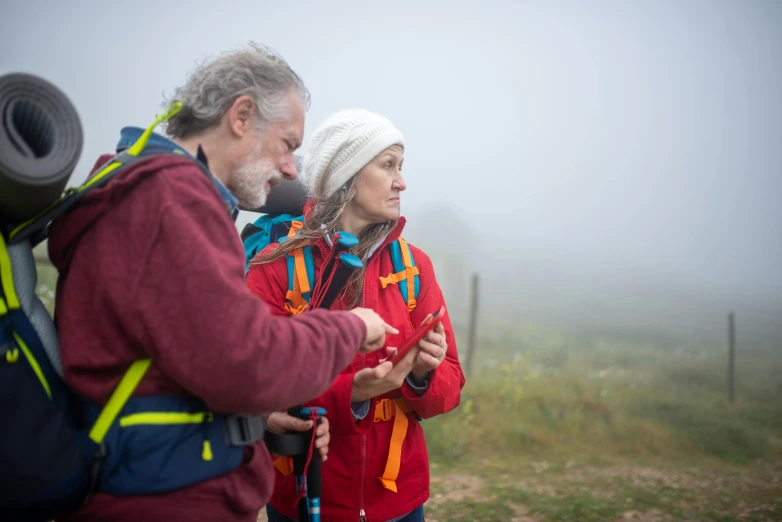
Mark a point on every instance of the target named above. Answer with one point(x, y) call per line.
point(371, 382)
point(281, 423)
point(431, 352)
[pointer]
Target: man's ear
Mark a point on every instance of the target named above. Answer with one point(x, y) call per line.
point(240, 115)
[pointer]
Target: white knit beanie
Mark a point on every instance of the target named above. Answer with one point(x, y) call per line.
point(342, 145)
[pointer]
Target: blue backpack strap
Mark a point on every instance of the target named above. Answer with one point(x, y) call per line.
point(263, 231)
point(405, 273)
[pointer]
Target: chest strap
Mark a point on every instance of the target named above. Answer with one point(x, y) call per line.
point(384, 410)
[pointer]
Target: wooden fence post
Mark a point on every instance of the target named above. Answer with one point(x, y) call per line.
point(473, 323)
point(731, 357)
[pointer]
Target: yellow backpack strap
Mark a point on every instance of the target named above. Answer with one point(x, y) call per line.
point(11, 300)
point(384, 410)
point(119, 397)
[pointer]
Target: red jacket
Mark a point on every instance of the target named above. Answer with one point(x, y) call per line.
point(358, 451)
point(152, 266)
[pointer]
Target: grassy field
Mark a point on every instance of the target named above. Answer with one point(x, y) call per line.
point(560, 428)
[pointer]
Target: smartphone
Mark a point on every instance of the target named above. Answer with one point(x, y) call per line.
point(418, 334)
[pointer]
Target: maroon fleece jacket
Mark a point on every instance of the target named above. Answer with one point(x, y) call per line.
point(151, 266)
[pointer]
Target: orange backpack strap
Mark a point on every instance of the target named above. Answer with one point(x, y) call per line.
point(384, 410)
point(301, 270)
point(405, 273)
point(295, 227)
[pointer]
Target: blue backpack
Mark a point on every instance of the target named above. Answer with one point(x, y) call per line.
point(271, 228)
point(264, 231)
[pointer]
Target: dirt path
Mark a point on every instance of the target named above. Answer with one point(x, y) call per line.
point(620, 493)
point(606, 494)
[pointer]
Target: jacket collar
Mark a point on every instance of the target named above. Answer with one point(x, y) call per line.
point(323, 246)
point(129, 135)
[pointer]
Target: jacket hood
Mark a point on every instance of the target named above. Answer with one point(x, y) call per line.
point(65, 231)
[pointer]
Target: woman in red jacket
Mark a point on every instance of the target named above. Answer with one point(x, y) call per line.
point(377, 468)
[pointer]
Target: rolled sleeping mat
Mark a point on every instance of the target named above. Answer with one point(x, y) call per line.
point(288, 197)
point(41, 140)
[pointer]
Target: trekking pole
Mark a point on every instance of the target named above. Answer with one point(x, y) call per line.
point(308, 467)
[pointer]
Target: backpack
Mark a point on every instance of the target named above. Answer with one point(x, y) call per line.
point(45, 460)
point(265, 230)
point(56, 447)
point(271, 228)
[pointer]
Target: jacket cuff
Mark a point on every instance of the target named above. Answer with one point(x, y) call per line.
point(418, 389)
point(360, 409)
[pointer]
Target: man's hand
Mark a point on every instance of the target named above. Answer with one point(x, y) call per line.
point(377, 329)
point(371, 382)
point(281, 423)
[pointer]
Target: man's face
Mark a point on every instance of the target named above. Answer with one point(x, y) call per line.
point(269, 157)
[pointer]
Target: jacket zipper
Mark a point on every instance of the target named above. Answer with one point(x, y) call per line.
point(361, 513)
point(362, 516)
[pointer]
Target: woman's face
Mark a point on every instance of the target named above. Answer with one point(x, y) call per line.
point(379, 186)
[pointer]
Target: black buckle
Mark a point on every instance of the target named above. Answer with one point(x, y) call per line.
point(243, 430)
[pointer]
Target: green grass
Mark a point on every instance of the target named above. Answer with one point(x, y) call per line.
point(544, 407)
point(710, 431)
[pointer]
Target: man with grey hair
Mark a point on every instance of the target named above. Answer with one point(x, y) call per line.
point(152, 268)
point(234, 86)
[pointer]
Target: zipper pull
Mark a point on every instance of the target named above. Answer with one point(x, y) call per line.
point(206, 452)
point(12, 355)
point(362, 516)
point(9, 350)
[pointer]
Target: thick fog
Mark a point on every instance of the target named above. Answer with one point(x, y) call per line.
point(585, 153)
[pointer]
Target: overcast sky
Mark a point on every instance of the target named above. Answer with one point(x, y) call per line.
point(643, 136)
